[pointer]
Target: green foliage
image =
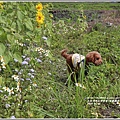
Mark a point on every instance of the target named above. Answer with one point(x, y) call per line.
point(2, 48)
point(86, 6)
point(32, 73)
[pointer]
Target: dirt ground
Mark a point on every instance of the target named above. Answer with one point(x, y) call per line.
point(105, 17)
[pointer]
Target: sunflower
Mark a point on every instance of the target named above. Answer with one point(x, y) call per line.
point(40, 18)
point(39, 7)
point(1, 6)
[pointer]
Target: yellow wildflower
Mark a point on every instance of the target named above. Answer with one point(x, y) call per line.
point(1, 2)
point(39, 7)
point(45, 25)
point(84, 17)
point(51, 15)
point(39, 18)
point(1, 6)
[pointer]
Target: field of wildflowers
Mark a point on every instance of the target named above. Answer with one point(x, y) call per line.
point(33, 74)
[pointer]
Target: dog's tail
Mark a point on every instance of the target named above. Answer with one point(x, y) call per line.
point(64, 53)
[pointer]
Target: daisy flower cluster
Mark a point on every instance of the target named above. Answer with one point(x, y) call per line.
point(42, 51)
point(80, 85)
point(18, 43)
point(23, 75)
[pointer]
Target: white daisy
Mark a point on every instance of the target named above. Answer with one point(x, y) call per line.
point(15, 77)
point(80, 85)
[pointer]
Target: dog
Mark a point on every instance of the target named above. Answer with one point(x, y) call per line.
point(75, 62)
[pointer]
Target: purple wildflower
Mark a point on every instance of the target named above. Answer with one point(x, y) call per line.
point(28, 79)
point(27, 59)
point(1, 91)
point(24, 63)
point(38, 60)
point(7, 105)
point(21, 79)
point(12, 117)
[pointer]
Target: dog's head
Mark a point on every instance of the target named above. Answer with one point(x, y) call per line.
point(94, 57)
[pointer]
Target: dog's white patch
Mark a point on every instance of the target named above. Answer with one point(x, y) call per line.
point(77, 58)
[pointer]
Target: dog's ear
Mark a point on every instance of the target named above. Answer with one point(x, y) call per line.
point(90, 57)
point(98, 59)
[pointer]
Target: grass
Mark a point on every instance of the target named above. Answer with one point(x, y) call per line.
point(86, 6)
point(40, 90)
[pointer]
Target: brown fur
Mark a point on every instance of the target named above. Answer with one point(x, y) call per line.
point(92, 57)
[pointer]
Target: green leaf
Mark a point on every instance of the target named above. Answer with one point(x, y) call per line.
point(13, 25)
point(18, 57)
point(18, 36)
point(28, 34)
point(2, 20)
point(50, 55)
point(7, 57)
point(48, 42)
point(10, 38)
point(29, 24)
point(37, 38)
point(1, 32)
point(3, 37)
point(19, 25)
point(0, 81)
point(20, 16)
point(6, 29)
point(2, 48)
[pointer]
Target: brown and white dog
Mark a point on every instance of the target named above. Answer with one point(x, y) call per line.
point(76, 61)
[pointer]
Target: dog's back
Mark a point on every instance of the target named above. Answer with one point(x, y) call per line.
point(77, 60)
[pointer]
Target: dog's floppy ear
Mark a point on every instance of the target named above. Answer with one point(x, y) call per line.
point(90, 57)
